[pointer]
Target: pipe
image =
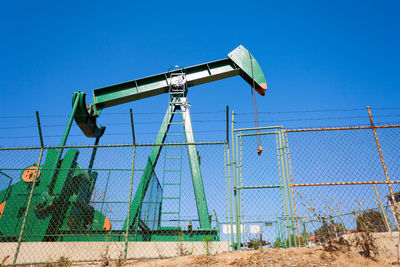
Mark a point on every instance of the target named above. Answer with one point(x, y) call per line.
point(235, 185)
point(291, 185)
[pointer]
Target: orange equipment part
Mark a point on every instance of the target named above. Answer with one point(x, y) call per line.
point(259, 150)
point(29, 174)
point(107, 224)
point(263, 89)
point(2, 206)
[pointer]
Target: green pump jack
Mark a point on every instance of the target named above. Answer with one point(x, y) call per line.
point(60, 207)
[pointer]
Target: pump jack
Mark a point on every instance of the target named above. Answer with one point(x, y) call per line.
point(60, 204)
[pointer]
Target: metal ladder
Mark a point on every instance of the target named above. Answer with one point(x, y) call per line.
point(172, 176)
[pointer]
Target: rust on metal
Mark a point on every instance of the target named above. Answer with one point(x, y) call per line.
point(383, 162)
point(341, 128)
point(381, 207)
point(347, 183)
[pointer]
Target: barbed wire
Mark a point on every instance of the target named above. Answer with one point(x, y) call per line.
point(204, 112)
point(388, 123)
point(208, 121)
point(107, 134)
point(389, 108)
point(104, 114)
point(108, 124)
point(392, 123)
point(328, 119)
point(319, 119)
point(316, 111)
point(302, 111)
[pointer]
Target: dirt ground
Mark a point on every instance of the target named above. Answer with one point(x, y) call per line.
point(349, 250)
point(314, 256)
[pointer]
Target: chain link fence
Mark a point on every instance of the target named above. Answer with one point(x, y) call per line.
point(331, 182)
point(114, 203)
point(86, 212)
point(343, 180)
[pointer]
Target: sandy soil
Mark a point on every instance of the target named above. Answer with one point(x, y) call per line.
point(315, 256)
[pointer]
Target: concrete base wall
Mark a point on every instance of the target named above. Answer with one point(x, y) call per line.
point(387, 243)
point(86, 251)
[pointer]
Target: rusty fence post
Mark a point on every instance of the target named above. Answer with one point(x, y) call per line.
point(394, 211)
point(381, 207)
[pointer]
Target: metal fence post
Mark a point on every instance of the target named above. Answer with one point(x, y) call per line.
point(31, 193)
point(229, 185)
point(235, 189)
point(131, 185)
point(381, 207)
point(285, 186)
point(284, 147)
point(384, 168)
point(291, 186)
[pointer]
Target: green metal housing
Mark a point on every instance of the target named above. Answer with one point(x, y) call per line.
point(65, 209)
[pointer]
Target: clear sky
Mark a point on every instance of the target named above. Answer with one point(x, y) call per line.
point(315, 54)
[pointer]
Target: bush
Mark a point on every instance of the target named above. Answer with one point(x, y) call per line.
point(329, 231)
point(370, 221)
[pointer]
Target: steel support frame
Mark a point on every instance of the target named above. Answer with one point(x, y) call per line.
point(198, 187)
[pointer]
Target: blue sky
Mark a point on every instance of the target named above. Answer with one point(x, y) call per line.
point(315, 55)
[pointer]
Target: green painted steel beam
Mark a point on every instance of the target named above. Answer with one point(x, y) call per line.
point(239, 62)
point(198, 187)
point(149, 169)
point(159, 84)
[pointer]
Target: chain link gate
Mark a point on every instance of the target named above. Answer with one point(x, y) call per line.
point(263, 197)
point(334, 181)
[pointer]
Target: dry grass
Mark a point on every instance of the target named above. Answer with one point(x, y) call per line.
point(315, 256)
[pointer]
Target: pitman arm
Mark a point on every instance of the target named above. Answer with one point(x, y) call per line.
point(239, 62)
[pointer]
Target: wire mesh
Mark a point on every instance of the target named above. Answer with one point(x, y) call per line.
point(305, 187)
point(334, 173)
point(329, 183)
point(84, 209)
